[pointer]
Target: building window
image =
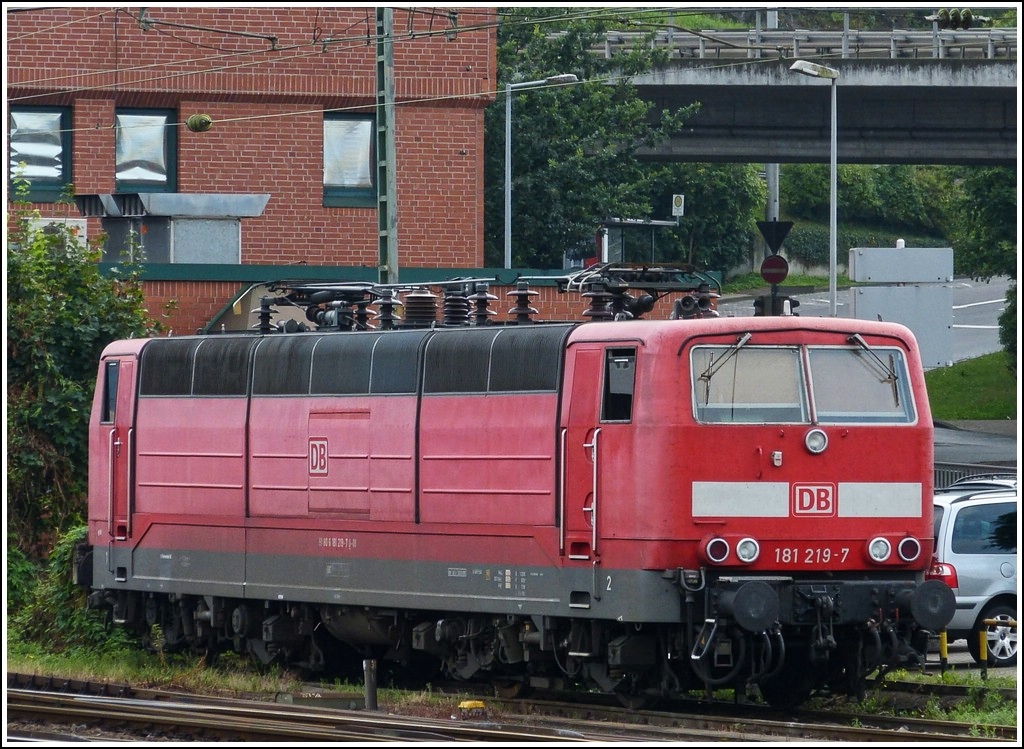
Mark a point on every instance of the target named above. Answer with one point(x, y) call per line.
point(348, 161)
point(40, 151)
point(147, 150)
point(136, 240)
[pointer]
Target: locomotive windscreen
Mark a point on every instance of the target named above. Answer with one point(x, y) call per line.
point(790, 384)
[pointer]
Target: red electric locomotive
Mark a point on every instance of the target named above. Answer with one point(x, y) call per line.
point(649, 506)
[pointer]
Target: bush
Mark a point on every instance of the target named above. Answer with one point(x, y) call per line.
point(61, 313)
point(22, 574)
point(808, 243)
point(1008, 328)
point(53, 612)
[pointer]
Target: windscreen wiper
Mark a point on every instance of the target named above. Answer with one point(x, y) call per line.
point(713, 367)
point(890, 369)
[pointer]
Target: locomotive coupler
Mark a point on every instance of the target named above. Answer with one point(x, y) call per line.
point(690, 581)
point(822, 639)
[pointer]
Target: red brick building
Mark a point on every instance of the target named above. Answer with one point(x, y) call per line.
point(303, 105)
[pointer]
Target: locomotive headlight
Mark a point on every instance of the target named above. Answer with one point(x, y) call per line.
point(816, 441)
point(748, 550)
point(879, 549)
point(909, 549)
point(717, 550)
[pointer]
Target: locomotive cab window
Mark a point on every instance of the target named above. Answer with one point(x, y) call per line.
point(110, 376)
point(619, 381)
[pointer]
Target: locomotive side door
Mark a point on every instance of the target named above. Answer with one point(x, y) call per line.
point(597, 406)
point(116, 443)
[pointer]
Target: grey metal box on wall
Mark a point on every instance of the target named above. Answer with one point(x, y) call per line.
point(208, 241)
point(901, 264)
point(927, 309)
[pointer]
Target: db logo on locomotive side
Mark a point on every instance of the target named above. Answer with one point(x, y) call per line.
point(814, 499)
point(318, 456)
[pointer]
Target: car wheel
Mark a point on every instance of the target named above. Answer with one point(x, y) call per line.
point(1001, 638)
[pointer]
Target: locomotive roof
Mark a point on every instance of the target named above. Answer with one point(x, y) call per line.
point(598, 331)
point(613, 330)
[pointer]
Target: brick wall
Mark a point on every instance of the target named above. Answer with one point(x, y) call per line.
point(267, 101)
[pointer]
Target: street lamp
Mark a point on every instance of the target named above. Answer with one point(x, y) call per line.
point(509, 88)
point(820, 71)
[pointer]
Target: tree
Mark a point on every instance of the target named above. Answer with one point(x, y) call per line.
point(721, 200)
point(892, 196)
point(984, 219)
point(984, 222)
point(573, 148)
point(61, 313)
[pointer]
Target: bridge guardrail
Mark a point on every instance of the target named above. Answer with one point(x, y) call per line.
point(756, 44)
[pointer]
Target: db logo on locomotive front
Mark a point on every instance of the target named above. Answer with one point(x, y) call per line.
point(814, 499)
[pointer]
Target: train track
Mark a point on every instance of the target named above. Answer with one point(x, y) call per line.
point(97, 717)
point(832, 724)
point(102, 710)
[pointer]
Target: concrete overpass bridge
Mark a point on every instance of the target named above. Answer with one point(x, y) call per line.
point(939, 97)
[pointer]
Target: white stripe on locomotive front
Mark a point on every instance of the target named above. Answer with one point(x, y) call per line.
point(772, 499)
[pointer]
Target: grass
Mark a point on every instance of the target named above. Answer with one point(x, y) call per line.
point(982, 388)
point(231, 674)
point(982, 706)
point(754, 281)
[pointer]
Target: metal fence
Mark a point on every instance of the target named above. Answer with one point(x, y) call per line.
point(947, 473)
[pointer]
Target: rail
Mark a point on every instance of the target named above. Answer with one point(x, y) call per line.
point(684, 44)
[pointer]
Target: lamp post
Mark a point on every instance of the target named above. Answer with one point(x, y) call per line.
point(820, 71)
point(509, 88)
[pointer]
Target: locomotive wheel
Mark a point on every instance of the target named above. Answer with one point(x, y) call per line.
point(260, 653)
point(172, 638)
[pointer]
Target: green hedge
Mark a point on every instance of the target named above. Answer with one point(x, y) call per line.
point(808, 242)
